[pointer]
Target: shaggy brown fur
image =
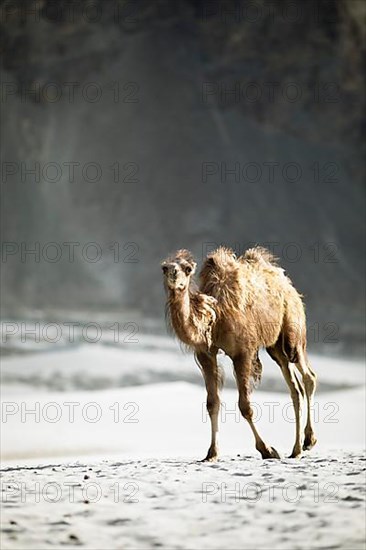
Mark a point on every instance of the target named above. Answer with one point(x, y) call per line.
point(241, 305)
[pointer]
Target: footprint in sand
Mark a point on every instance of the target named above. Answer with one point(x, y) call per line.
point(59, 525)
point(74, 539)
point(351, 498)
point(118, 521)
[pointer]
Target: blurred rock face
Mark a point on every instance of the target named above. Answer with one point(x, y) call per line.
point(134, 129)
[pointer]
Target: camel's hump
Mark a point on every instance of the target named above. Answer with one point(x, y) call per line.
point(222, 257)
point(259, 254)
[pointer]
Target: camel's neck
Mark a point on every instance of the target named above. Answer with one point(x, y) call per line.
point(183, 318)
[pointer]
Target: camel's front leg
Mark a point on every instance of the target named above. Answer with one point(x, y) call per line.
point(211, 375)
point(242, 367)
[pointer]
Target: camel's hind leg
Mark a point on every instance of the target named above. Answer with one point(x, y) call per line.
point(242, 368)
point(211, 374)
point(296, 392)
point(309, 379)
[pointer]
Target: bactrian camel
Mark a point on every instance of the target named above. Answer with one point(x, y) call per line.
point(240, 305)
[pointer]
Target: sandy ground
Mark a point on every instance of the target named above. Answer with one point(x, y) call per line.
point(117, 468)
point(242, 502)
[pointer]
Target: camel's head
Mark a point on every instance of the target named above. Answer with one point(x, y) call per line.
point(178, 270)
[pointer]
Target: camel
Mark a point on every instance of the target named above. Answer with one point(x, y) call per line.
point(240, 305)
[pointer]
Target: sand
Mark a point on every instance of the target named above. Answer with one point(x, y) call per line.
point(240, 502)
point(124, 471)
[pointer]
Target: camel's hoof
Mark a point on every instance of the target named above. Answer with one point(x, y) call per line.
point(269, 452)
point(309, 442)
point(210, 459)
point(212, 455)
point(295, 454)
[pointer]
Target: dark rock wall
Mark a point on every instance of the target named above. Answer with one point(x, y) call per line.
point(195, 82)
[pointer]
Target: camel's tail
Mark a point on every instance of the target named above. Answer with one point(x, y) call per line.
point(220, 375)
point(256, 371)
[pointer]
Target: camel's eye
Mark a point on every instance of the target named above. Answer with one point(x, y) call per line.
point(165, 269)
point(188, 270)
